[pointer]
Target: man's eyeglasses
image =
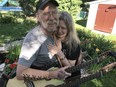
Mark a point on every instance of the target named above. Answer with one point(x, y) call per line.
point(48, 14)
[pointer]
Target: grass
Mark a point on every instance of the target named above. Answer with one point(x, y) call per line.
point(15, 31)
point(7, 32)
point(111, 37)
point(107, 80)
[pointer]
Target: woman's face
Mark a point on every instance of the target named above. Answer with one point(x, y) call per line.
point(62, 30)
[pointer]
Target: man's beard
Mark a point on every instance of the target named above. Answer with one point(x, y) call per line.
point(47, 27)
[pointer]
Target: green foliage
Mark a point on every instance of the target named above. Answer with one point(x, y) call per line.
point(94, 43)
point(28, 7)
point(11, 60)
point(10, 17)
point(15, 31)
point(7, 18)
point(71, 6)
point(13, 54)
point(107, 80)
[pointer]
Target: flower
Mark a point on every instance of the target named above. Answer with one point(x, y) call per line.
point(97, 49)
point(8, 69)
point(7, 61)
point(12, 65)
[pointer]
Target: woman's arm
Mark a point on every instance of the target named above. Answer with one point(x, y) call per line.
point(62, 58)
point(72, 62)
point(80, 58)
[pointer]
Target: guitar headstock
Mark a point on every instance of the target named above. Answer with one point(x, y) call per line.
point(108, 67)
point(108, 53)
point(105, 54)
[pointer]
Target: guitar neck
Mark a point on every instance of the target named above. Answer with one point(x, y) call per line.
point(83, 65)
point(82, 80)
point(101, 72)
point(80, 66)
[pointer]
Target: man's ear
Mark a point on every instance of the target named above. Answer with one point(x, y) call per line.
point(37, 16)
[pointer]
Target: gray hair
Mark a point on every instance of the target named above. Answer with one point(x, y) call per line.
point(72, 39)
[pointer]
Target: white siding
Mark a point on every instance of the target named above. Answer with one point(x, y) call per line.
point(114, 28)
point(93, 11)
point(92, 16)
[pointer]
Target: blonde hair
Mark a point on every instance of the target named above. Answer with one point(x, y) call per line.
point(72, 39)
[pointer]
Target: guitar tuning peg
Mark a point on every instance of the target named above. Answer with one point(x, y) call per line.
point(109, 67)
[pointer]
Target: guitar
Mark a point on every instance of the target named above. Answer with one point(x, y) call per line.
point(58, 83)
point(98, 74)
point(55, 82)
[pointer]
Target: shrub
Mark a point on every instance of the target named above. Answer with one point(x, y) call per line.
point(7, 19)
point(13, 54)
point(93, 43)
point(11, 60)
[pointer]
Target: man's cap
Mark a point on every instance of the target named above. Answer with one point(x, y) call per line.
point(42, 3)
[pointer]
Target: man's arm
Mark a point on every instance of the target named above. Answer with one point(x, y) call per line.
point(55, 74)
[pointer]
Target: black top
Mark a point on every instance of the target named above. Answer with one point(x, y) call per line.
point(72, 55)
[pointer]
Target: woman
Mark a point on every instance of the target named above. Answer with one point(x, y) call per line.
point(67, 42)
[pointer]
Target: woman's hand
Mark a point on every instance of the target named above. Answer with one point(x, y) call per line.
point(55, 48)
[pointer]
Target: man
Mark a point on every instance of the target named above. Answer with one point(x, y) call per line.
point(35, 59)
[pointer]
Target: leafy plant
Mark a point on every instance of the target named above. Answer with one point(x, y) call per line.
point(11, 60)
point(71, 6)
point(96, 44)
point(93, 43)
point(8, 69)
point(7, 19)
point(14, 52)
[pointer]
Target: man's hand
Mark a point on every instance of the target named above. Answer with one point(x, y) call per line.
point(60, 73)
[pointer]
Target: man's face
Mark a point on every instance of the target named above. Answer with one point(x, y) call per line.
point(48, 18)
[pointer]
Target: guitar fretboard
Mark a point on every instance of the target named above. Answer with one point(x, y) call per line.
point(83, 65)
point(82, 80)
point(88, 63)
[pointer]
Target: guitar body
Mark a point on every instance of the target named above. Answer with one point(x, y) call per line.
point(40, 83)
point(15, 83)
